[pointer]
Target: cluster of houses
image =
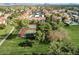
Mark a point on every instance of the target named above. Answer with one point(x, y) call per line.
point(32, 15)
point(69, 16)
point(3, 17)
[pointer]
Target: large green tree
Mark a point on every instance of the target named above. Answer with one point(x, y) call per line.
point(18, 23)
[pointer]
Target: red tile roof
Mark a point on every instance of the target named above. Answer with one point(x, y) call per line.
point(2, 19)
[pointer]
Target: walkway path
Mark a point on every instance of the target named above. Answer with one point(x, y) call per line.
point(2, 41)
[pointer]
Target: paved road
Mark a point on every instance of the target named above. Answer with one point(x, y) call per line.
point(2, 41)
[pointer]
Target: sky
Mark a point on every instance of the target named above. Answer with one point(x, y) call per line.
point(39, 1)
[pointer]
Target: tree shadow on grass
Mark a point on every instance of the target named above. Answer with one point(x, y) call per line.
point(26, 44)
point(12, 36)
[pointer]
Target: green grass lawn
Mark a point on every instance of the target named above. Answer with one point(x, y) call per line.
point(4, 32)
point(74, 34)
point(11, 45)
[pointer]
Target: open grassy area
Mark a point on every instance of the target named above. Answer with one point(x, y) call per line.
point(11, 46)
point(4, 32)
point(74, 34)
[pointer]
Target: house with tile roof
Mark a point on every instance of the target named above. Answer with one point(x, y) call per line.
point(32, 15)
point(3, 20)
point(28, 32)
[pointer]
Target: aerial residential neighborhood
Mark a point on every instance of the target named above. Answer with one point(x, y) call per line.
point(39, 30)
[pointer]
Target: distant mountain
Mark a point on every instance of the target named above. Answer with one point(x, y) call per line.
point(13, 4)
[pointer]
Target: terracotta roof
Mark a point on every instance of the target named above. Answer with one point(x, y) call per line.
point(2, 20)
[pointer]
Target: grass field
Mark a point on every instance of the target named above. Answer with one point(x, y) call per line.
point(11, 45)
point(4, 32)
point(74, 34)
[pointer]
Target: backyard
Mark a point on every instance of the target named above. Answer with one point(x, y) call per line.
point(11, 45)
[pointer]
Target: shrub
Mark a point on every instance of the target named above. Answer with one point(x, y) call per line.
point(40, 36)
point(59, 34)
point(64, 47)
point(2, 26)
